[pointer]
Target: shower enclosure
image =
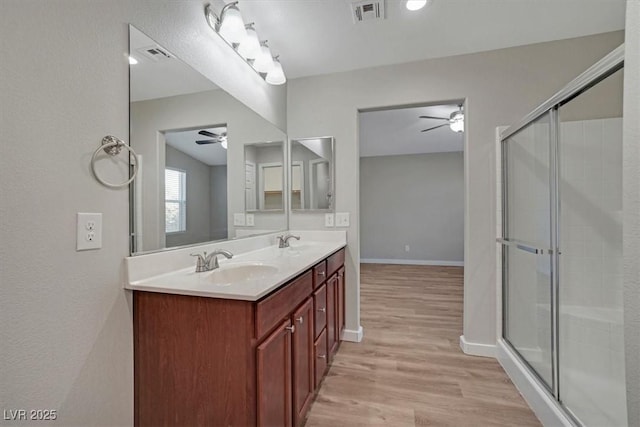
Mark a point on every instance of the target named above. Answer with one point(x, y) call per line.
point(562, 246)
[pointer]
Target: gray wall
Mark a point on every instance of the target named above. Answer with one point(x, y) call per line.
point(499, 86)
point(198, 198)
point(65, 319)
point(415, 200)
point(218, 179)
point(631, 208)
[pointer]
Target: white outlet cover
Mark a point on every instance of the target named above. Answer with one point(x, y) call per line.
point(250, 220)
point(88, 231)
point(342, 219)
point(329, 220)
point(238, 219)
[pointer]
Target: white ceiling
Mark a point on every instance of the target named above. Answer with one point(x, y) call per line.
point(319, 36)
point(185, 141)
point(398, 131)
point(151, 79)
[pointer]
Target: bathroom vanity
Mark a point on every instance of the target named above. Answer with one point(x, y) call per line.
point(238, 357)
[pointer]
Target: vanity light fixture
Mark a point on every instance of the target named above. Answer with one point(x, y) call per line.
point(245, 41)
point(275, 76)
point(414, 5)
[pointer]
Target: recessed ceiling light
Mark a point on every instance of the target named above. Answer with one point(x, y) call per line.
point(132, 60)
point(416, 4)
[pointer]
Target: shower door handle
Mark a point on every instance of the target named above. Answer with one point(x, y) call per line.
point(525, 246)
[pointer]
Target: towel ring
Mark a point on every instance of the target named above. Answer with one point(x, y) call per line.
point(113, 146)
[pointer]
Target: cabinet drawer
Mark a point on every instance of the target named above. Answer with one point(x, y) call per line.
point(320, 309)
point(319, 274)
point(334, 262)
point(279, 305)
point(320, 354)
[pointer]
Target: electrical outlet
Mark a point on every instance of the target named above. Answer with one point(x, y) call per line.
point(342, 219)
point(249, 219)
point(238, 219)
point(88, 231)
point(329, 220)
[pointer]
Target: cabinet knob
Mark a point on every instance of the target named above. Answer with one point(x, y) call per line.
point(300, 320)
point(322, 310)
point(291, 328)
point(322, 356)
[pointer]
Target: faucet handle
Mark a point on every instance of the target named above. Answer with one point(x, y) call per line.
point(200, 262)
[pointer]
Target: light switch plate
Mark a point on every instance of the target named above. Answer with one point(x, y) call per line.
point(88, 231)
point(342, 219)
point(238, 219)
point(249, 220)
point(329, 220)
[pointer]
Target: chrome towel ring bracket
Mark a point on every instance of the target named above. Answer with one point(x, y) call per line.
point(113, 146)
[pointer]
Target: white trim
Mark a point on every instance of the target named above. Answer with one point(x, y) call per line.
point(477, 349)
point(353, 335)
point(539, 400)
point(411, 262)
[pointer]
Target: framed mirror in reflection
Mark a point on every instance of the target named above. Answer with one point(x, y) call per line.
point(264, 176)
point(190, 136)
point(312, 174)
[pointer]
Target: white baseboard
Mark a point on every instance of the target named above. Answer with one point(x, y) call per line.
point(539, 400)
point(477, 349)
point(411, 262)
point(353, 335)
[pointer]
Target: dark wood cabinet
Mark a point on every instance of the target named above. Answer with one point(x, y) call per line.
point(216, 362)
point(274, 377)
point(303, 372)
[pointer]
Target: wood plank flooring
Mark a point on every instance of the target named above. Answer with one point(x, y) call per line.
point(409, 369)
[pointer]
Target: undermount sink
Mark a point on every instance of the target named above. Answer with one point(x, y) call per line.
point(227, 275)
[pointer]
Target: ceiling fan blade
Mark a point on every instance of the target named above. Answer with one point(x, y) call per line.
point(207, 133)
point(206, 141)
point(436, 127)
point(435, 118)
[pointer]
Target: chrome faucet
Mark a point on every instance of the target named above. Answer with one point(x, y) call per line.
point(210, 262)
point(283, 241)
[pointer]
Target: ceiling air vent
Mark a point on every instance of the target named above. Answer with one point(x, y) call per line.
point(367, 10)
point(155, 53)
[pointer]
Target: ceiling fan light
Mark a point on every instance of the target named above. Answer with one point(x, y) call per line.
point(264, 61)
point(276, 76)
point(232, 27)
point(456, 122)
point(250, 46)
point(223, 143)
point(414, 5)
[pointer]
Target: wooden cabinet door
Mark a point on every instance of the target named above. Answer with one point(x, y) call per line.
point(274, 377)
point(340, 299)
point(303, 338)
point(332, 288)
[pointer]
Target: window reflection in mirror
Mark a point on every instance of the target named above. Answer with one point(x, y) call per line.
point(264, 176)
point(190, 136)
point(312, 181)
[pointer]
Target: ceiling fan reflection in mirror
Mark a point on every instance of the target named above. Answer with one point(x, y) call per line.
point(221, 138)
point(455, 121)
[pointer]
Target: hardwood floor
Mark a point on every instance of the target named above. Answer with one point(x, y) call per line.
point(409, 369)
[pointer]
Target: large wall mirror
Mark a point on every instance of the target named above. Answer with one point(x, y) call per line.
point(191, 137)
point(312, 174)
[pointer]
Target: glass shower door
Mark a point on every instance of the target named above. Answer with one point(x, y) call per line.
point(527, 266)
point(591, 357)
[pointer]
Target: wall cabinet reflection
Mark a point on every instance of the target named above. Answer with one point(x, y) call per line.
point(312, 168)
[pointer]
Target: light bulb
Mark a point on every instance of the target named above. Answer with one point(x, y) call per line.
point(457, 123)
point(416, 4)
point(223, 143)
point(250, 46)
point(264, 60)
point(275, 76)
point(232, 26)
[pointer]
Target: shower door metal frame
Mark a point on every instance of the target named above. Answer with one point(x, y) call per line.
point(604, 68)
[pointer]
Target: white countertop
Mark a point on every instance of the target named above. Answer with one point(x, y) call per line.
point(275, 267)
